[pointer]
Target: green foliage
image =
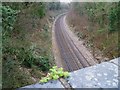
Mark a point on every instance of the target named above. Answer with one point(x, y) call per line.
point(38, 10)
point(22, 54)
point(12, 76)
point(41, 10)
point(113, 17)
point(17, 6)
point(105, 14)
point(103, 21)
point(54, 6)
point(8, 18)
point(55, 73)
point(16, 52)
point(26, 58)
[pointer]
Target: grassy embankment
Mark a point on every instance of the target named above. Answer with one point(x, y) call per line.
point(97, 24)
point(26, 48)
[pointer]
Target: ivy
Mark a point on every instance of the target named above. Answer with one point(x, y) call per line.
point(55, 73)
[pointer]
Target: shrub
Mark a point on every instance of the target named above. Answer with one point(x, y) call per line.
point(26, 58)
point(8, 18)
point(114, 17)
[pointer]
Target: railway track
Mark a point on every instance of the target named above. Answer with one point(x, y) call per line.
point(71, 56)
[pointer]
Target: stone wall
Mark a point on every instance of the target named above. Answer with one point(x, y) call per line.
point(104, 75)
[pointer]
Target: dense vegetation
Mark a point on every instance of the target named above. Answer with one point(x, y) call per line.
point(99, 26)
point(26, 38)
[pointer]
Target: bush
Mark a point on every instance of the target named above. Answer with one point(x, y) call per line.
point(26, 58)
point(41, 10)
point(16, 52)
point(38, 10)
point(23, 55)
point(114, 17)
point(8, 18)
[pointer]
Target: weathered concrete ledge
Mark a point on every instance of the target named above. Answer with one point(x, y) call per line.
point(104, 75)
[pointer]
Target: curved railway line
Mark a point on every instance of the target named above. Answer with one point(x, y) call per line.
point(71, 56)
